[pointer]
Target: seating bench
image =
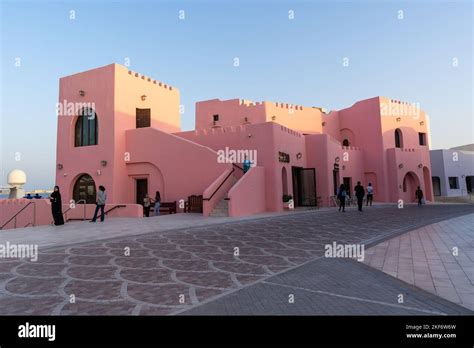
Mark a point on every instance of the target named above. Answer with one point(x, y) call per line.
point(168, 207)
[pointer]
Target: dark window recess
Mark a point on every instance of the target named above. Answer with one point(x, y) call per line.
point(86, 129)
point(422, 138)
point(215, 118)
point(398, 138)
point(283, 157)
point(453, 182)
point(143, 118)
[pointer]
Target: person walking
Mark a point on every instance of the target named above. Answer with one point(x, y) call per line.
point(100, 204)
point(360, 193)
point(157, 203)
point(56, 206)
point(370, 194)
point(419, 196)
point(147, 205)
point(341, 195)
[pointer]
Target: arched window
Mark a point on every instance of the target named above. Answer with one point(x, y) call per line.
point(87, 128)
point(84, 190)
point(398, 138)
point(345, 142)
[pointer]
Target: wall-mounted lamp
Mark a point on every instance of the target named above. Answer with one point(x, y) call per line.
point(82, 93)
point(399, 119)
point(420, 166)
point(400, 165)
point(274, 118)
point(422, 123)
point(337, 159)
point(249, 135)
point(324, 123)
point(143, 97)
point(103, 163)
point(65, 174)
point(99, 172)
point(59, 166)
point(299, 155)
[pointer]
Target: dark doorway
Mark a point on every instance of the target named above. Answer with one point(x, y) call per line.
point(84, 190)
point(335, 181)
point(347, 184)
point(436, 185)
point(142, 190)
point(304, 186)
point(469, 183)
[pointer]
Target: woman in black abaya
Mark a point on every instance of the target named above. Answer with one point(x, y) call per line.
point(56, 206)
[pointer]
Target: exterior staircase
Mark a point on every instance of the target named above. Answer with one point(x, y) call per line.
point(222, 208)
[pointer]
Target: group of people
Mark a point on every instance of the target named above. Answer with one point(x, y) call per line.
point(360, 193)
point(36, 196)
point(149, 202)
point(57, 209)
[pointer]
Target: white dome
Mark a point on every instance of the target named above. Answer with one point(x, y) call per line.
point(16, 177)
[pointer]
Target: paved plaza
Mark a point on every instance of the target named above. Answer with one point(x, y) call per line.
point(249, 266)
point(438, 258)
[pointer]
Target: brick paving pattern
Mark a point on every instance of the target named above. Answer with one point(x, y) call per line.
point(170, 272)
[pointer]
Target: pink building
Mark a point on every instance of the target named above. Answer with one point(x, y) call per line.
point(122, 130)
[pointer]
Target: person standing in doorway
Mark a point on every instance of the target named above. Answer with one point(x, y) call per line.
point(360, 193)
point(147, 205)
point(56, 206)
point(370, 194)
point(157, 203)
point(341, 195)
point(100, 204)
point(419, 196)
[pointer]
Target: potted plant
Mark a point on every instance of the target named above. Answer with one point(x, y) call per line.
point(288, 202)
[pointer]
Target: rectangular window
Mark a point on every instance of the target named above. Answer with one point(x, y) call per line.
point(422, 138)
point(453, 182)
point(143, 118)
point(215, 118)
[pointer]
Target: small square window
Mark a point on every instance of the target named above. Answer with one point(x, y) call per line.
point(143, 118)
point(453, 182)
point(215, 118)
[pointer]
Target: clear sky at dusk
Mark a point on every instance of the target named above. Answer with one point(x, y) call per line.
point(424, 57)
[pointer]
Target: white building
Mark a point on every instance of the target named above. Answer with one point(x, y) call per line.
point(452, 171)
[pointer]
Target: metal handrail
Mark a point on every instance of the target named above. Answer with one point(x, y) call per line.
point(114, 207)
point(223, 181)
point(78, 202)
point(14, 216)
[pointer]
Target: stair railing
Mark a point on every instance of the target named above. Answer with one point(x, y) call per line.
point(14, 217)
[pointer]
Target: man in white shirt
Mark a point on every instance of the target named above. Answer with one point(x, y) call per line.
point(370, 194)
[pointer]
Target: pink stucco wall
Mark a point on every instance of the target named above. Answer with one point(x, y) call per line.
point(39, 212)
point(247, 197)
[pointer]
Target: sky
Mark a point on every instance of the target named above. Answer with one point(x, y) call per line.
point(288, 51)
